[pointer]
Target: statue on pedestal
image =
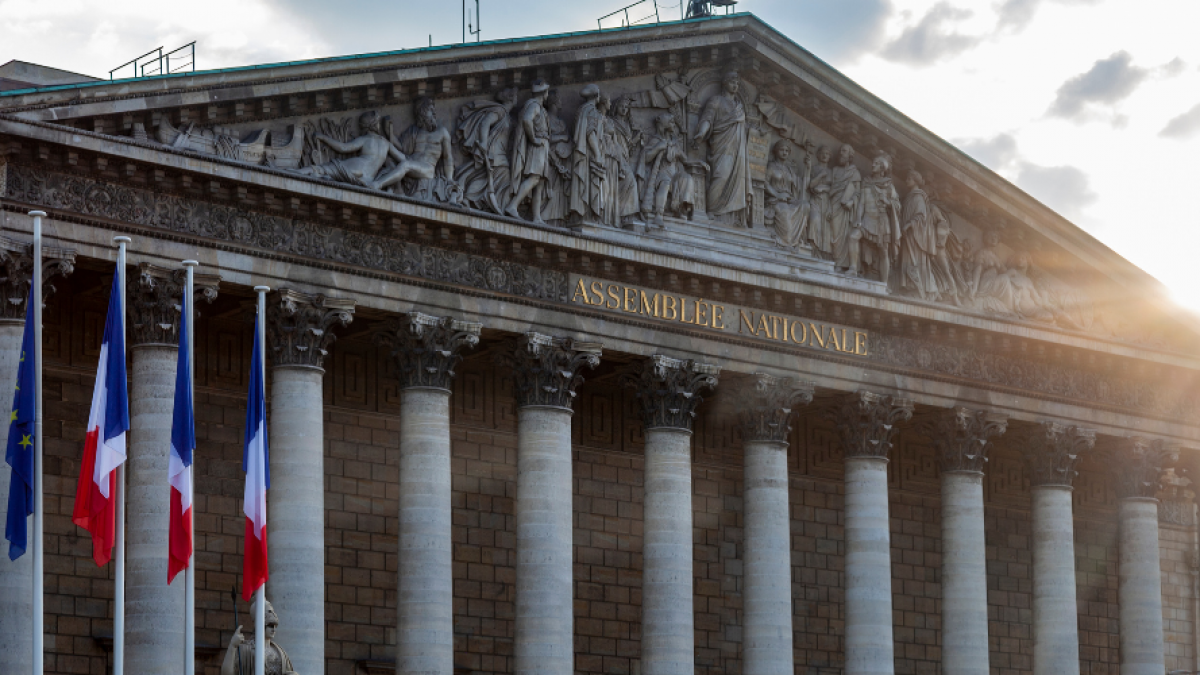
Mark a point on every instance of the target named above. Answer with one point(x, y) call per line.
point(239, 656)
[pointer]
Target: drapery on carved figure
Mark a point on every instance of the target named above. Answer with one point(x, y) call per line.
point(1006, 289)
point(919, 242)
point(483, 133)
point(239, 656)
point(428, 157)
point(613, 171)
point(666, 183)
point(723, 125)
point(786, 200)
point(371, 150)
point(844, 184)
point(875, 237)
point(949, 257)
point(587, 160)
point(819, 205)
point(627, 143)
point(558, 177)
point(531, 155)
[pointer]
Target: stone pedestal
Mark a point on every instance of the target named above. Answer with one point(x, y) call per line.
point(299, 332)
point(425, 349)
point(767, 598)
point(866, 425)
point(545, 375)
point(667, 391)
point(1052, 452)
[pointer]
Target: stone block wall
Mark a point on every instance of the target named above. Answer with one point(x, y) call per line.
point(361, 503)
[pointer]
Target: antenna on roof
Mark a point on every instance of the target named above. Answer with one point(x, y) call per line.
point(467, 27)
point(155, 63)
point(697, 9)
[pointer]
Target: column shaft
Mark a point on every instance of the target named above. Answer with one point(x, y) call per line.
point(425, 601)
point(16, 577)
point(767, 635)
point(1140, 590)
point(296, 528)
point(1055, 613)
point(964, 575)
point(545, 634)
point(869, 648)
point(668, 637)
point(153, 610)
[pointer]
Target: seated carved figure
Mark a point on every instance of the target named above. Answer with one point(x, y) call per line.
point(371, 150)
point(666, 184)
point(424, 149)
point(239, 656)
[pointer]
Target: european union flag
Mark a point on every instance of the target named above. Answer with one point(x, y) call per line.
point(20, 444)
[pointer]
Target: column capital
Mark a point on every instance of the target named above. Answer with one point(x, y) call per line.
point(1138, 464)
point(546, 369)
point(767, 403)
point(156, 302)
point(426, 348)
point(1052, 451)
point(300, 326)
point(16, 265)
point(962, 437)
point(668, 389)
point(866, 422)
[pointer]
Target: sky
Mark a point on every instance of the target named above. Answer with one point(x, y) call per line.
point(1091, 106)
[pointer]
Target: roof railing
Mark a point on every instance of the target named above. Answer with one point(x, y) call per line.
point(155, 62)
point(625, 10)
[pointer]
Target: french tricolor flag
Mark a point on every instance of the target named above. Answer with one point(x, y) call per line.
point(258, 478)
point(183, 443)
point(104, 445)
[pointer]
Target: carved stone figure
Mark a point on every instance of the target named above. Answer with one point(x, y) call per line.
point(1006, 289)
point(627, 142)
point(875, 237)
point(723, 125)
point(613, 171)
point(558, 178)
point(428, 162)
point(587, 161)
point(666, 185)
point(483, 133)
point(787, 207)
point(844, 184)
point(947, 262)
point(531, 155)
point(819, 205)
point(239, 656)
point(919, 242)
point(371, 150)
point(260, 147)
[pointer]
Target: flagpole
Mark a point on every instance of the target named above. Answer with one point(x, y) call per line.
point(39, 623)
point(119, 587)
point(260, 628)
point(189, 588)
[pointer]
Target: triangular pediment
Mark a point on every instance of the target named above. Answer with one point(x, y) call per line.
point(648, 147)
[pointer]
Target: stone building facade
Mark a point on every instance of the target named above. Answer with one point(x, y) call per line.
point(659, 350)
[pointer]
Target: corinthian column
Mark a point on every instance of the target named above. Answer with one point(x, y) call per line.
point(426, 349)
point(299, 332)
point(1052, 452)
point(154, 640)
point(866, 425)
point(668, 393)
point(1138, 464)
point(765, 422)
point(962, 438)
point(545, 375)
point(16, 576)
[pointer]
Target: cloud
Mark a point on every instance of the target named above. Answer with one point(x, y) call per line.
point(1183, 126)
point(996, 153)
point(1065, 189)
point(1017, 14)
point(931, 38)
point(1109, 81)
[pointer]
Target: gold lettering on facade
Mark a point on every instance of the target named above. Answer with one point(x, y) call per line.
point(816, 335)
point(614, 300)
point(631, 298)
point(860, 343)
point(649, 308)
point(669, 311)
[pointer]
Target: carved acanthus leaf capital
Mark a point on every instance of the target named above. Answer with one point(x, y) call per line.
point(866, 422)
point(767, 406)
point(16, 265)
point(546, 370)
point(1139, 464)
point(300, 326)
point(426, 348)
point(1052, 451)
point(963, 436)
point(156, 302)
point(668, 390)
